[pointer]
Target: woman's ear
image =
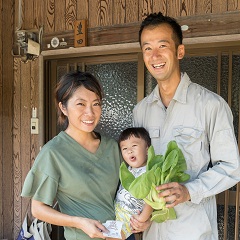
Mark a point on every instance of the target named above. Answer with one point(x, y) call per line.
point(181, 51)
point(63, 108)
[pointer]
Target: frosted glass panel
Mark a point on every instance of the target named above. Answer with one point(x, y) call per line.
point(201, 70)
point(224, 77)
point(119, 81)
point(236, 91)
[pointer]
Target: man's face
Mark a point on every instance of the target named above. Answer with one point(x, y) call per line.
point(159, 52)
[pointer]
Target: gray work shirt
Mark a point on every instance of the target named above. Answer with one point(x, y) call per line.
point(201, 122)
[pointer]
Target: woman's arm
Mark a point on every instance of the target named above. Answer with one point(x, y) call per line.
point(48, 214)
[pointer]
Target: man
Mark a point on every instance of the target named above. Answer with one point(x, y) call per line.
point(199, 120)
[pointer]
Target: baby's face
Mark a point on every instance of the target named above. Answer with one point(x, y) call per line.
point(134, 151)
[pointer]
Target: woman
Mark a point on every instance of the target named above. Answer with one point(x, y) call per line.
point(79, 167)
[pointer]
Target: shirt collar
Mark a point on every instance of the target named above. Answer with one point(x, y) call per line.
point(180, 94)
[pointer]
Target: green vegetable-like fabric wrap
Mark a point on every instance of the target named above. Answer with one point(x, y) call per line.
point(160, 169)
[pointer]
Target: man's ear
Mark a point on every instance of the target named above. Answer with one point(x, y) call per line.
point(181, 51)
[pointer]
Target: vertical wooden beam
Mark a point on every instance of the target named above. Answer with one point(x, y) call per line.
point(1, 125)
point(17, 176)
point(140, 78)
point(226, 203)
point(219, 54)
point(7, 120)
point(25, 116)
point(34, 98)
point(230, 67)
point(237, 213)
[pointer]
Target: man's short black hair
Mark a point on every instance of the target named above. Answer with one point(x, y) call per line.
point(156, 19)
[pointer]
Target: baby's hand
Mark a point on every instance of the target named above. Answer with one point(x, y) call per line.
point(139, 218)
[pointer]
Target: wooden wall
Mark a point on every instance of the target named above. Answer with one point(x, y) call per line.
point(19, 82)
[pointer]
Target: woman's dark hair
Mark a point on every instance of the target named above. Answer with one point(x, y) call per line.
point(138, 132)
point(68, 84)
point(156, 19)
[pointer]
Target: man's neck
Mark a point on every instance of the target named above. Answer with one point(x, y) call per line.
point(167, 90)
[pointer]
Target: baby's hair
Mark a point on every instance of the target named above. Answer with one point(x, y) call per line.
point(138, 132)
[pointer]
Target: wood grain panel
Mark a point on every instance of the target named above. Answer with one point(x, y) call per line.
point(100, 13)
point(38, 13)
point(1, 127)
point(35, 144)
point(93, 9)
point(174, 8)
point(82, 9)
point(49, 10)
point(160, 6)
point(17, 176)
point(132, 11)
point(18, 15)
point(188, 8)
point(233, 5)
point(145, 8)
point(210, 25)
point(7, 111)
point(71, 15)
point(28, 22)
point(119, 12)
point(203, 7)
point(219, 7)
point(25, 126)
point(105, 13)
point(60, 13)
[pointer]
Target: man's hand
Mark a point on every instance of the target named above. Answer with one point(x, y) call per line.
point(173, 193)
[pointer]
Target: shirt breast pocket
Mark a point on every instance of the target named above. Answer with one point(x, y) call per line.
point(154, 132)
point(189, 138)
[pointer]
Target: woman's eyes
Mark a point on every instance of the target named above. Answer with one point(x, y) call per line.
point(94, 104)
point(81, 104)
point(97, 104)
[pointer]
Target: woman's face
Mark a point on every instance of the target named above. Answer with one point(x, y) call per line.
point(83, 110)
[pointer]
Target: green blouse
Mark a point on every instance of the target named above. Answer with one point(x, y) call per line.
point(83, 183)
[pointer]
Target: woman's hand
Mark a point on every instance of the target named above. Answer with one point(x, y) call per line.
point(93, 228)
